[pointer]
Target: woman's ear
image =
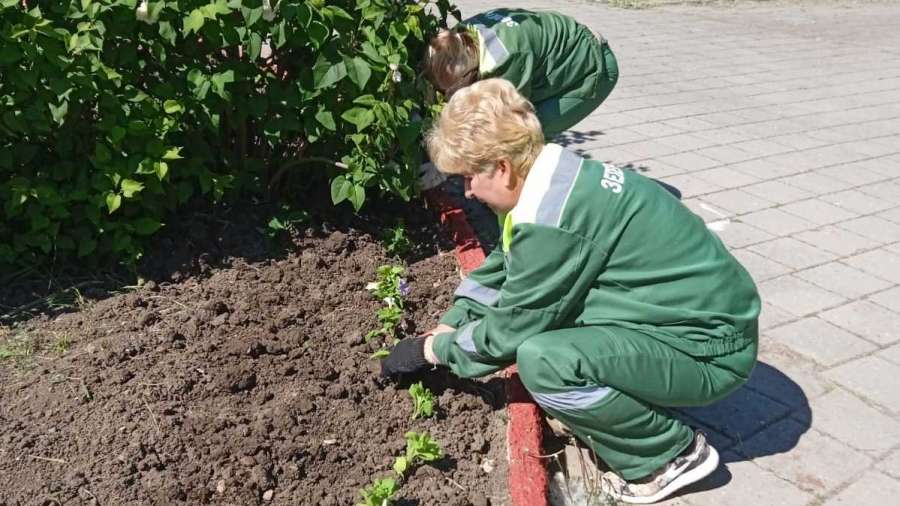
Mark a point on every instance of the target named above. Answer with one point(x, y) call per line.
point(510, 178)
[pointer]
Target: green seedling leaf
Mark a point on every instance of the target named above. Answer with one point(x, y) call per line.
point(401, 464)
point(423, 401)
point(395, 240)
point(420, 447)
point(384, 352)
point(380, 493)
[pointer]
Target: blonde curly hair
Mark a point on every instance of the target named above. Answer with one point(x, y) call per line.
point(481, 124)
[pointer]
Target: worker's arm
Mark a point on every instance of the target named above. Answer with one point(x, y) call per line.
point(479, 291)
point(548, 275)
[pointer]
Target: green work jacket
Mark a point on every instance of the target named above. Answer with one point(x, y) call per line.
point(591, 244)
point(544, 54)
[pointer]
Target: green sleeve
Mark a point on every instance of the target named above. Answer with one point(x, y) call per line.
point(518, 69)
point(549, 273)
point(480, 289)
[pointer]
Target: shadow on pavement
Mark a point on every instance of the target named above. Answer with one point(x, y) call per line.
point(767, 416)
point(572, 138)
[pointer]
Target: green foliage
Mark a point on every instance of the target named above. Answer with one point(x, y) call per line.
point(389, 317)
point(382, 353)
point(419, 448)
point(389, 284)
point(286, 219)
point(380, 493)
point(18, 347)
point(115, 113)
point(62, 344)
point(423, 400)
point(390, 288)
point(395, 239)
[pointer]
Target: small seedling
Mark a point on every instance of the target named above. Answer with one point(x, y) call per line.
point(379, 493)
point(395, 240)
point(381, 353)
point(285, 219)
point(389, 286)
point(62, 344)
point(390, 317)
point(391, 289)
point(423, 401)
point(419, 448)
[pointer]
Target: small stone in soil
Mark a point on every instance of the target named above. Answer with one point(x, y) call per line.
point(267, 495)
point(305, 406)
point(336, 391)
point(479, 500)
point(354, 339)
point(245, 381)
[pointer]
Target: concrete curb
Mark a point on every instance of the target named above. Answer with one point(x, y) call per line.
point(527, 478)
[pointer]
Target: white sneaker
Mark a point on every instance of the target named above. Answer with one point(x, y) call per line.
point(696, 462)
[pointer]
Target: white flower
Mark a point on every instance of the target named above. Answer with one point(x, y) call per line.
point(143, 11)
point(268, 10)
point(396, 76)
point(390, 301)
point(373, 285)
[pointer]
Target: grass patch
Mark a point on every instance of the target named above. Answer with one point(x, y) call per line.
point(62, 344)
point(17, 348)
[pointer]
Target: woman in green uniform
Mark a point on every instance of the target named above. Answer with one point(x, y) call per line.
point(615, 301)
point(556, 63)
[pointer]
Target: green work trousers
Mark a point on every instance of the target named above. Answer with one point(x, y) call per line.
point(561, 113)
point(612, 386)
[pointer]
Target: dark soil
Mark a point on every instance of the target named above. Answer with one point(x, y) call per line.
point(239, 379)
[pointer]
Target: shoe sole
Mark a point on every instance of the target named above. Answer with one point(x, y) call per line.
point(694, 475)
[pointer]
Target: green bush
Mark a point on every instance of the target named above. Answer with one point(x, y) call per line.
point(113, 113)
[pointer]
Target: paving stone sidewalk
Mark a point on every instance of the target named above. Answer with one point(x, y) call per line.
point(780, 125)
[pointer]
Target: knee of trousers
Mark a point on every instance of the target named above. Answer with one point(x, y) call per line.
point(532, 364)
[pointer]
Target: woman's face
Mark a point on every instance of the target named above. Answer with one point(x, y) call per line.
point(499, 189)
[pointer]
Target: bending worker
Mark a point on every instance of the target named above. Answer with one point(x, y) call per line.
point(556, 63)
point(615, 301)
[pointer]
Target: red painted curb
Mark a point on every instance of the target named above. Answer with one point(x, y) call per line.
point(527, 478)
point(469, 254)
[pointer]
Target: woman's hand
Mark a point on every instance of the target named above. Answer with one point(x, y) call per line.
point(429, 342)
point(440, 329)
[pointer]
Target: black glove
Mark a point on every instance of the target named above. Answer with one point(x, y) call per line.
point(407, 356)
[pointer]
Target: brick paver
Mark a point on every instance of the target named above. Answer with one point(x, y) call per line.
point(780, 125)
